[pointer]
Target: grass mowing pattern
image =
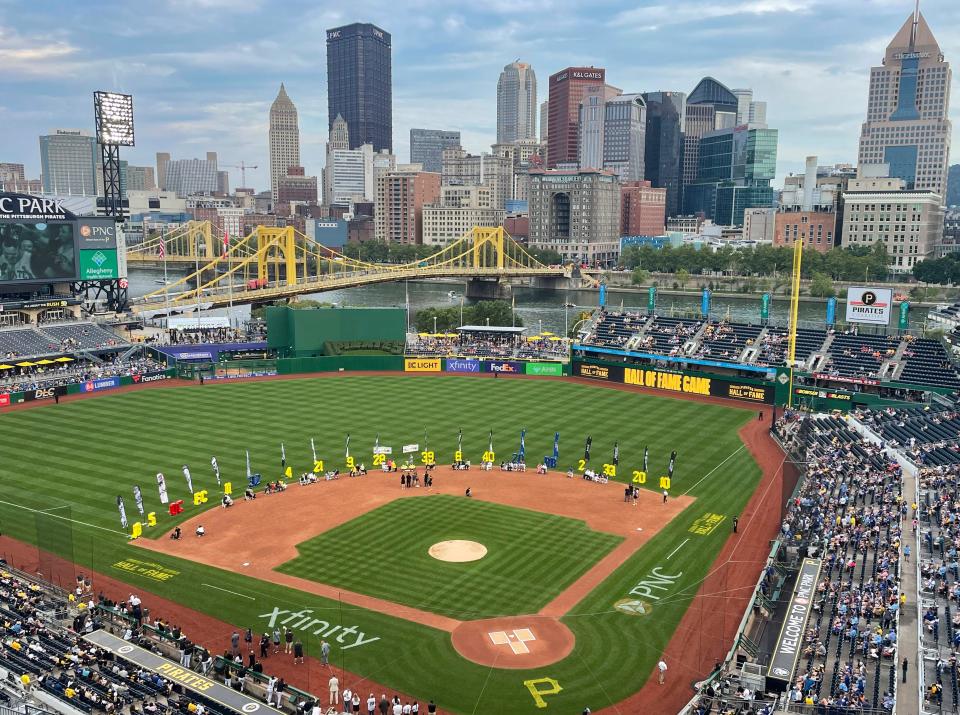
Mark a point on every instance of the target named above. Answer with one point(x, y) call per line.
point(531, 557)
point(84, 453)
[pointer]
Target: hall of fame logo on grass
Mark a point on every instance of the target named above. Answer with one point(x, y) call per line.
point(633, 607)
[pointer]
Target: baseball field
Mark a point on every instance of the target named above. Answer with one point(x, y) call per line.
point(348, 561)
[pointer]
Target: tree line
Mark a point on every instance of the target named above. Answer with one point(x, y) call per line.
point(860, 263)
point(497, 312)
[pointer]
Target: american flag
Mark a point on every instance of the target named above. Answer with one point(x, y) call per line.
point(163, 246)
point(226, 242)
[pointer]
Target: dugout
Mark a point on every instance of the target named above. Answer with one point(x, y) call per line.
point(315, 332)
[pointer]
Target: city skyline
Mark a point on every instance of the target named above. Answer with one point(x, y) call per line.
point(209, 84)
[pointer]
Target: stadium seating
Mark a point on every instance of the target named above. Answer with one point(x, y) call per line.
point(927, 436)
point(847, 355)
point(68, 674)
point(848, 511)
point(83, 336)
point(927, 363)
point(25, 342)
point(939, 583)
point(57, 339)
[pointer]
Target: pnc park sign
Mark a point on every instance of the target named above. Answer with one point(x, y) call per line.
point(790, 640)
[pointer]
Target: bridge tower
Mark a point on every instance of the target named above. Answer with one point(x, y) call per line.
point(283, 243)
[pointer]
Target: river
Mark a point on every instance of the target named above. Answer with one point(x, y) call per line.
point(534, 306)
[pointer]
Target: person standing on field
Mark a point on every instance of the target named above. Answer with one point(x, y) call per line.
point(661, 671)
point(276, 640)
point(334, 690)
point(288, 639)
point(325, 653)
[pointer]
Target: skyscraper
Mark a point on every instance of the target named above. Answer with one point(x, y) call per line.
point(612, 132)
point(284, 139)
point(68, 162)
point(736, 167)
point(907, 122)
point(517, 103)
point(427, 145)
point(566, 92)
point(664, 144)
point(359, 83)
point(163, 158)
point(710, 106)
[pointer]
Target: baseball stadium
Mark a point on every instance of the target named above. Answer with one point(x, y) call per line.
point(325, 510)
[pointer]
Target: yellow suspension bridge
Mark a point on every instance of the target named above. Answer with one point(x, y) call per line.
point(273, 264)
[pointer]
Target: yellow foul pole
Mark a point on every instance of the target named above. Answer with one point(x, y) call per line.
point(794, 310)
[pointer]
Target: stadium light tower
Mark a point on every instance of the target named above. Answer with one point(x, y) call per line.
point(113, 114)
point(114, 117)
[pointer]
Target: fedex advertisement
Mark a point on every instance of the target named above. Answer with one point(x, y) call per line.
point(505, 366)
point(106, 383)
point(462, 365)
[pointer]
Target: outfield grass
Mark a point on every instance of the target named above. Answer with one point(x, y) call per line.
point(531, 557)
point(82, 454)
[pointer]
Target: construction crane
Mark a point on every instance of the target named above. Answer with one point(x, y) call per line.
point(243, 166)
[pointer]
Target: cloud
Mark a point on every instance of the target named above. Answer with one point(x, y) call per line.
point(652, 17)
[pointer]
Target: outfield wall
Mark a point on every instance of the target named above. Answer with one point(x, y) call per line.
point(685, 382)
point(90, 386)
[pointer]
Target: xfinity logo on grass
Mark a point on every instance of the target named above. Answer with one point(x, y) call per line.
point(347, 636)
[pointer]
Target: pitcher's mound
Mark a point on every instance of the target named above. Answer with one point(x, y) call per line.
point(458, 551)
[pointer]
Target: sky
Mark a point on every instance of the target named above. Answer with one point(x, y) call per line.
point(204, 72)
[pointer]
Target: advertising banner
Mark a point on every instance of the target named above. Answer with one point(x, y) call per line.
point(651, 299)
point(99, 264)
point(790, 640)
point(4, 400)
point(106, 383)
point(869, 305)
point(156, 376)
point(511, 367)
point(462, 365)
point(677, 382)
point(383, 450)
point(44, 393)
point(411, 448)
point(97, 234)
point(421, 365)
point(553, 369)
point(765, 307)
point(705, 302)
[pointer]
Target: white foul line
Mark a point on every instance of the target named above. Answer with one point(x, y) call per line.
point(732, 455)
point(210, 585)
point(677, 549)
point(57, 516)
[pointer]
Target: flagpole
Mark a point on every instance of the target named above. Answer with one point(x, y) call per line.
point(166, 284)
point(226, 246)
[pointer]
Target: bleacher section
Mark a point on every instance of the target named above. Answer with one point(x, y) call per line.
point(57, 340)
point(25, 342)
point(613, 330)
point(860, 355)
point(726, 341)
point(667, 335)
point(847, 512)
point(847, 356)
point(927, 436)
point(808, 342)
point(939, 585)
point(927, 363)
